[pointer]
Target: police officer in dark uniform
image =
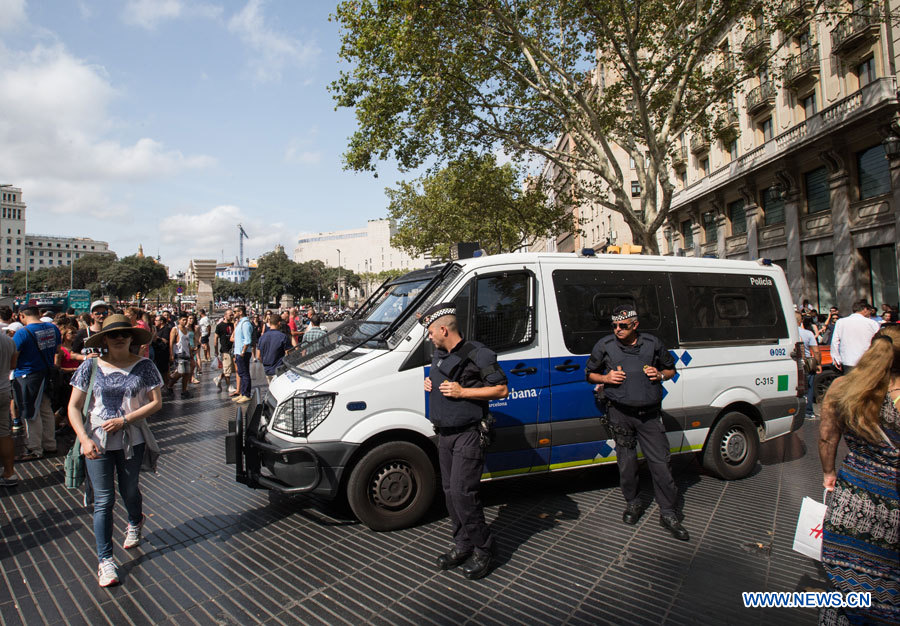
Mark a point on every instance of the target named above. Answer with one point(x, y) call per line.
point(464, 377)
point(631, 366)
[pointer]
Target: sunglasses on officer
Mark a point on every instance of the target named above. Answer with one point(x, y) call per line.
point(623, 325)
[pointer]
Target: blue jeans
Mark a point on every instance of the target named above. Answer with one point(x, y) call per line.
point(242, 362)
point(102, 471)
point(810, 394)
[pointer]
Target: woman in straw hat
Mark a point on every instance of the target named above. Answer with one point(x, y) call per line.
point(126, 390)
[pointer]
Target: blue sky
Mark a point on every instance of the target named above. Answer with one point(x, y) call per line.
point(168, 122)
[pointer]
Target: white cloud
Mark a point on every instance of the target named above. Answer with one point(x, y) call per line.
point(302, 150)
point(12, 14)
point(55, 130)
point(205, 235)
point(274, 51)
point(149, 13)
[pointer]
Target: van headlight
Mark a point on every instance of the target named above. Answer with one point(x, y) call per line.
point(299, 414)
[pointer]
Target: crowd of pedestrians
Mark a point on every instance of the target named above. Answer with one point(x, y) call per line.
point(99, 375)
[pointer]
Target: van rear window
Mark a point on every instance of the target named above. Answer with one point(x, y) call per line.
point(585, 300)
point(727, 307)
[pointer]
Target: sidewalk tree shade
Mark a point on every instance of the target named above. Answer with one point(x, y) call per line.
point(562, 80)
point(473, 199)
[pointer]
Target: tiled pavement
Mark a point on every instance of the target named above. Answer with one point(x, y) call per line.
point(217, 552)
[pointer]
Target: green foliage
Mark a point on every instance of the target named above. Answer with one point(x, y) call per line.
point(568, 81)
point(83, 275)
point(132, 275)
point(473, 199)
point(276, 274)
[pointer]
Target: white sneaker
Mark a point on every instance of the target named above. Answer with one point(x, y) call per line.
point(218, 381)
point(133, 534)
point(108, 574)
point(10, 481)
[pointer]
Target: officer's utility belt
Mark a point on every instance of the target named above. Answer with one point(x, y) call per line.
point(446, 431)
point(635, 411)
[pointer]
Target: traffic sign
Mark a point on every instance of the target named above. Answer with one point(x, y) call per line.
point(179, 290)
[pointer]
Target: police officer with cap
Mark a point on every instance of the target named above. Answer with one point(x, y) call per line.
point(464, 377)
point(632, 366)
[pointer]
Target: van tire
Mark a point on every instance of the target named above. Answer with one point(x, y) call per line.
point(822, 382)
point(732, 447)
point(392, 486)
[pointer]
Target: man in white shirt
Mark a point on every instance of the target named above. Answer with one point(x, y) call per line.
point(205, 325)
point(852, 336)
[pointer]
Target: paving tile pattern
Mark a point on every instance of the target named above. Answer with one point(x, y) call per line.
point(216, 552)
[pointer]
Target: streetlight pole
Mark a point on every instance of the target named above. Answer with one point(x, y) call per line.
point(262, 293)
point(339, 278)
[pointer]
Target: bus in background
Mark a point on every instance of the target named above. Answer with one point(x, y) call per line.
point(58, 301)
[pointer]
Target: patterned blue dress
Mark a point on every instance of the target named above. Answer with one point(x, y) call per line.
point(860, 547)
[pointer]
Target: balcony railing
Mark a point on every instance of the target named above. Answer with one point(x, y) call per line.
point(699, 143)
point(756, 41)
point(794, 7)
point(802, 67)
point(855, 29)
point(760, 97)
point(730, 117)
point(680, 157)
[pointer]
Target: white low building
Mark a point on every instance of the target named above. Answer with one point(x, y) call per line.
point(364, 250)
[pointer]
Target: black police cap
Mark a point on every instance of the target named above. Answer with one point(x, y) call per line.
point(437, 311)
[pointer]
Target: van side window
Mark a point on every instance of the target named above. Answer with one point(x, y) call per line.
point(498, 310)
point(727, 307)
point(586, 299)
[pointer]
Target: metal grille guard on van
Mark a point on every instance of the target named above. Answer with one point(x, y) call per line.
point(243, 450)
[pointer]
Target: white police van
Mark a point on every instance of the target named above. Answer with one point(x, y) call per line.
point(350, 417)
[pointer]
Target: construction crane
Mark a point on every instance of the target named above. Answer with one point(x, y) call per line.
point(242, 234)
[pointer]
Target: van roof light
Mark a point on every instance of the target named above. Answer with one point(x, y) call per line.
point(762, 261)
point(588, 252)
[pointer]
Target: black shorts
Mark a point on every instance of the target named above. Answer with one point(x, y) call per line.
point(204, 340)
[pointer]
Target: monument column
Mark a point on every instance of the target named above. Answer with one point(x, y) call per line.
point(205, 270)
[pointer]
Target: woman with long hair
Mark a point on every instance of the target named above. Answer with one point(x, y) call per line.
point(860, 544)
point(125, 391)
point(193, 339)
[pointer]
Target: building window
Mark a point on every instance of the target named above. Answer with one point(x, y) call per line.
point(682, 176)
point(631, 162)
point(818, 197)
point(765, 127)
point(635, 189)
point(704, 167)
point(883, 275)
point(874, 172)
point(738, 217)
point(825, 294)
point(773, 207)
point(709, 227)
point(865, 71)
point(732, 148)
point(809, 106)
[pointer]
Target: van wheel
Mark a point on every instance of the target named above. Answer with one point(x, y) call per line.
point(822, 382)
point(392, 486)
point(732, 447)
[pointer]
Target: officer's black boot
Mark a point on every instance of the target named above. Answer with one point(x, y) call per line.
point(477, 566)
point(451, 559)
point(671, 523)
point(632, 513)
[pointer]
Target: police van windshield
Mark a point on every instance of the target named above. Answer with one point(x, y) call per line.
point(385, 315)
point(393, 301)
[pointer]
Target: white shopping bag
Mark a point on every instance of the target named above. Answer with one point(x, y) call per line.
point(808, 536)
point(216, 363)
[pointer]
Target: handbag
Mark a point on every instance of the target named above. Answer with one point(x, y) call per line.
point(811, 364)
point(808, 535)
point(75, 464)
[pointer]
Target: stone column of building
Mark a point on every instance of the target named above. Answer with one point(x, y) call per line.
point(792, 241)
point(697, 229)
point(205, 270)
point(721, 230)
point(895, 203)
point(847, 263)
point(753, 214)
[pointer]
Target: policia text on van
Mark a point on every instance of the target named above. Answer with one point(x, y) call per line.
point(350, 418)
